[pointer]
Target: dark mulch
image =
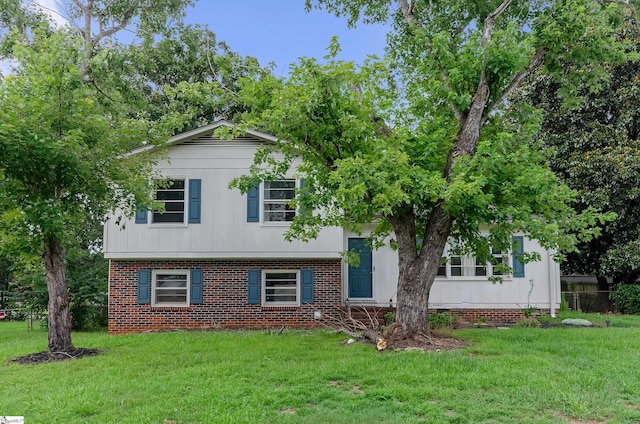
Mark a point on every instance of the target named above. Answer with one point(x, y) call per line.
point(429, 343)
point(45, 357)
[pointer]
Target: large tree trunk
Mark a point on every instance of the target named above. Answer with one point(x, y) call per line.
point(58, 307)
point(418, 272)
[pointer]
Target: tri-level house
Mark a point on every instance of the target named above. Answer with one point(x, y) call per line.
point(216, 258)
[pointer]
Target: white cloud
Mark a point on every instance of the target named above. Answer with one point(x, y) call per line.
point(6, 66)
point(53, 8)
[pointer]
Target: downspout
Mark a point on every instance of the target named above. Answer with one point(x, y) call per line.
point(554, 283)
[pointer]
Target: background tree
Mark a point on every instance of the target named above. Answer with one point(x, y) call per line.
point(61, 134)
point(595, 149)
point(78, 101)
point(57, 149)
point(438, 154)
point(185, 71)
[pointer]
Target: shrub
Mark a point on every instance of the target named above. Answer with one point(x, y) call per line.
point(564, 305)
point(527, 322)
point(626, 298)
point(389, 317)
point(439, 321)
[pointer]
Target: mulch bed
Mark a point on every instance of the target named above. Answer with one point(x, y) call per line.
point(46, 357)
point(432, 343)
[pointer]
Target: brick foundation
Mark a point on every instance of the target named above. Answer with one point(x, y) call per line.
point(498, 316)
point(507, 316)
point(224, 296)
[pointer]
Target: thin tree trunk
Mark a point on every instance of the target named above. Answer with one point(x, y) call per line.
point(58, 307)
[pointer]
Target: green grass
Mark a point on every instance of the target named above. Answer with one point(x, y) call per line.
point(555, 375)
point(615, 320)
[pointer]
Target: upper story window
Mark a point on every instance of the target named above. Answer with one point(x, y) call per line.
point(173, 197)
point(276, 198)
point(182, 200)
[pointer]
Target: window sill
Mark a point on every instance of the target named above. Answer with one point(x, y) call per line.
point(276, 223)
point(168, 225)
point(280, 308)
point(361, 300)
point(169, 308)
point(471, 278)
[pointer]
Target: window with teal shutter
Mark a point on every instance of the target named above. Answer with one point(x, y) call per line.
point(141, 216)
point(253, 287)
point(518, 251)
point(306, 283)
point(195, 292)
point(253, 204)
point(194, 200)
point(144, 287)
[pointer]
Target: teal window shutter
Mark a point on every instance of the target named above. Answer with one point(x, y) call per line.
point(306, 283)
point(194, 201)
point(144, 287)
point(141, 216)
point(253, 204)
point(195, 296)
point(518, 251)
point(253, 287)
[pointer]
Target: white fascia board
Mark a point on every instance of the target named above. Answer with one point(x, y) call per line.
point(180, 138)
point(222, 255)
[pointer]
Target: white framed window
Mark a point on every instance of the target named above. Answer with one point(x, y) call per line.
point(173, 195)
point(170, 288)
point(469, 267)
point(456, 269)
point(281, 287)
point(480, 268)
point(498, 258)
point(275, 200)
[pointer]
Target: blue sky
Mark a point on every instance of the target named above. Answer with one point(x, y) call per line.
point(278, 31)
point(281, 31)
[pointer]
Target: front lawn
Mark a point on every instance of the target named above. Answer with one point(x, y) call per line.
point(554, 375)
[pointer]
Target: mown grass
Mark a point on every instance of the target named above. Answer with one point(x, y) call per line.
point(555, 375)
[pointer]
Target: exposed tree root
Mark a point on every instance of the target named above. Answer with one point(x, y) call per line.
point(44, 357)
point(382, 337)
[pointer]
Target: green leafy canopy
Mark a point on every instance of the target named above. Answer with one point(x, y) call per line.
point(58, 146)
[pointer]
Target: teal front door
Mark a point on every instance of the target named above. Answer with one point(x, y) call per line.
point(360, 277)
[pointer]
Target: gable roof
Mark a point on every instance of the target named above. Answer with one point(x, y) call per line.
point(205, 133)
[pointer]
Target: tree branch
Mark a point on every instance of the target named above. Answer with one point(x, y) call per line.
point(407, 10)
point(490, 21)
point(536, 61)
point(111, 30)
point(85, 10)
point(467, 139)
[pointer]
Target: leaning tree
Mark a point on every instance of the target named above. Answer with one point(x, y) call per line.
point(426, 144)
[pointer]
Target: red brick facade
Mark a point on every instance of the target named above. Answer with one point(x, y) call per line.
point(224, 296)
